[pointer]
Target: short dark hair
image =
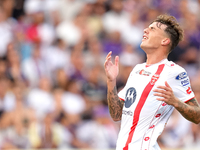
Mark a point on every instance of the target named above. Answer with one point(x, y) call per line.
point(173, 29)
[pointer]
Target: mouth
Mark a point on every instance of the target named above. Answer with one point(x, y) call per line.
point(144, 37)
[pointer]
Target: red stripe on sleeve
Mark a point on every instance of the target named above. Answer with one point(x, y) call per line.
point(188, 100)
point(122, 99)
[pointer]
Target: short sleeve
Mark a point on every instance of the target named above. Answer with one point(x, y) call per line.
point(180, 84)
point(121, 94)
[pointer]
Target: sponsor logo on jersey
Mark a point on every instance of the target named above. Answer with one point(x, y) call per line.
point(130, 113)
point(181, 76)
point(185, 82)
point(143, 72)
point(130, 97)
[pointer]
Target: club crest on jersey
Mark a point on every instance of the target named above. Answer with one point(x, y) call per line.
point(181, 76)
point(143, 72)
point(130, 97)
point(154, 78)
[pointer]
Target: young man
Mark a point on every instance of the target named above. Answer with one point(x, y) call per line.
point(153, 89)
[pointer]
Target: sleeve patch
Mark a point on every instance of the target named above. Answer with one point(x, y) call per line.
point(181, 76)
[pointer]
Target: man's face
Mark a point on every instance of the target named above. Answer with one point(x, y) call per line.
point(153, 36)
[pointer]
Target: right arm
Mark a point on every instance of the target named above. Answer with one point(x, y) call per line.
point(114, 103)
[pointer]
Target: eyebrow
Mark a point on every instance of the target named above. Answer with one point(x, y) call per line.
point(158, 24)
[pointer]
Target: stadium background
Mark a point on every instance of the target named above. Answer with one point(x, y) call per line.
point(52, 81)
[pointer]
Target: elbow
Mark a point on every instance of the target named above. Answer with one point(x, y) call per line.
point(196, 121)
point(116, 119)
point(116, 116)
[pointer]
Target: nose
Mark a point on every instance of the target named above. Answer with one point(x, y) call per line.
point(146, 30)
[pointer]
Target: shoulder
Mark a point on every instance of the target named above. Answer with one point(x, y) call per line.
point(175, 70)
point(173, 65)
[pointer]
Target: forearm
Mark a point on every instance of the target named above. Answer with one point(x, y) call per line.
point(114, 103)
point(190, 110)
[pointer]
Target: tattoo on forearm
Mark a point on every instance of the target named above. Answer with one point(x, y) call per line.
point(115, 104)
point(190, 110)
point(193, 102)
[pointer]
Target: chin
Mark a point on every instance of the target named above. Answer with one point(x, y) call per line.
point(142, 46)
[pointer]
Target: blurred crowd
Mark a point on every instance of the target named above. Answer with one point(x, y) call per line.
point(52, 79)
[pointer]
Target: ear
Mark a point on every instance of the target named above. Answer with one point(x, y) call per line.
point(165, 41)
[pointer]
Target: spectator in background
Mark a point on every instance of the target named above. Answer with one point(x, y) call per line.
point(40, 99)
point(7, 98)
point(93, 89)
point(61, 79)
point(101, 131)
point(94, 54)
point(133, 31)
point(39, 31)
point(3, 67)
point(193, 31)
point(190, 59)
point(70, 8)
point(5, 32)
point(34, 68)
point(14, 63)
point(129, 58)
point(77, 62)
point(113, 42)
point(57, 57)
point(72, 101)
point(115, 18)
point(95, 23)
point(16, 123)
point(47, 132)
point(71, 32)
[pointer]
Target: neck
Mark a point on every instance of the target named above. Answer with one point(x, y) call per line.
point(153, 59)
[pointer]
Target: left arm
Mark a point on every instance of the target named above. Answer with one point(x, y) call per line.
point(189, 110)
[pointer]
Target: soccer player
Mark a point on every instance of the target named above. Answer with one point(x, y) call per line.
point(153, 89)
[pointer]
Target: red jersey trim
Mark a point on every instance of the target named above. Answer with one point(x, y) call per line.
point(188, 100)
point(121, 99)
point(138, 109)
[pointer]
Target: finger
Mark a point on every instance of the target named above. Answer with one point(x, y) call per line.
point(160, 91)
point(108, 58)
point(116, 60)
point(160, 99)
point(167, 85)
point(109, 54)
point(160, 95)
point(163, 87)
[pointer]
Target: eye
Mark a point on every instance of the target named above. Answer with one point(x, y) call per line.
point(152, 28)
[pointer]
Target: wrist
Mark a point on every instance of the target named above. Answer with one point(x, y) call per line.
point(111, 83)
point(177, 103)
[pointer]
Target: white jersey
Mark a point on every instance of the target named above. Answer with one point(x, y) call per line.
point(144, 117)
